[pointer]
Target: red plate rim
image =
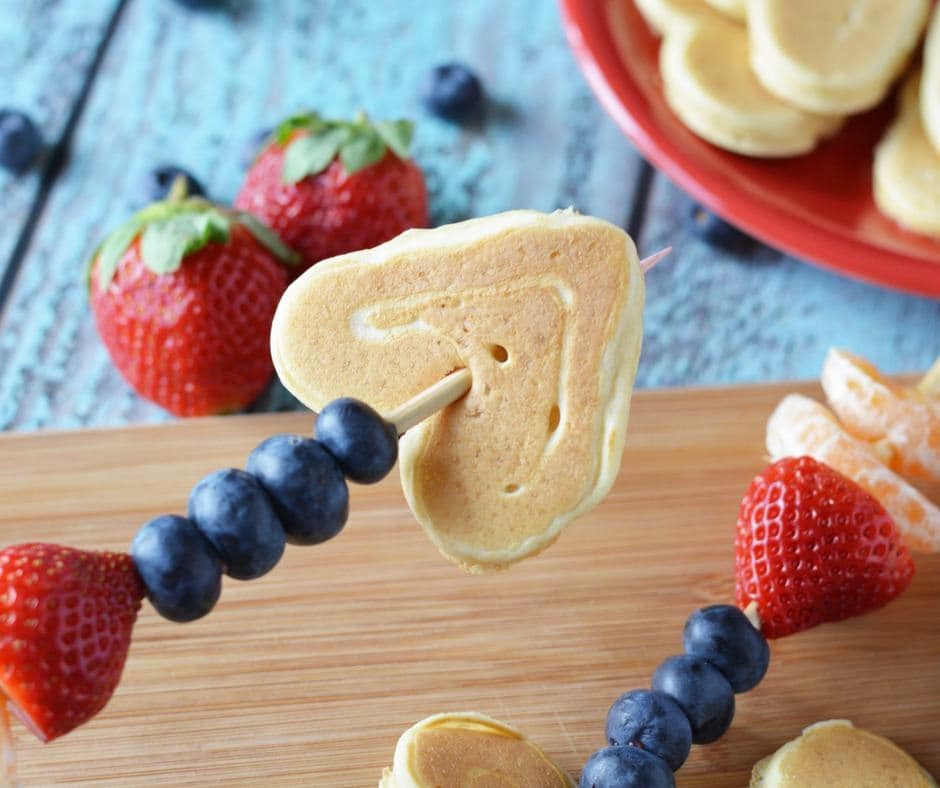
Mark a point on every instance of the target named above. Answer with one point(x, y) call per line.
point(587, 29)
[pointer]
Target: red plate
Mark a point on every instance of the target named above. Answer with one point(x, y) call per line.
point(818, 206)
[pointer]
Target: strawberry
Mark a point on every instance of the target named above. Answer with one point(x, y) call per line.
point(812, 546)
point(330, 187)
point(183, 296)
point(66, 618)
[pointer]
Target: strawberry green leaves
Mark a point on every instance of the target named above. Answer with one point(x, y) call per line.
point(170, 231)
point(165, 242)
point(358, 143)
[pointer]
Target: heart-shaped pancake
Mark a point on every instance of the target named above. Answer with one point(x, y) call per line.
point(665, 16)
point(470, 749)
point(833, 56)
point(546, 312)
point(907, 167)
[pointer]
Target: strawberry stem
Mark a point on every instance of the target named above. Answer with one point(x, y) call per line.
point(178, 191)
point(930, 384)
point(753, 615)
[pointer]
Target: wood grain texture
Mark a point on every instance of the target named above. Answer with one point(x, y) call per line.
point(307, 676)
point(45, 52)
point(192, 87)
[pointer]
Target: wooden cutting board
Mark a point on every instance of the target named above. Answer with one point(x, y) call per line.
point(307, 676)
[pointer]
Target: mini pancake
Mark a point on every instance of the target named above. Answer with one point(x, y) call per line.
point(734, 9)
point(835, 57)
point(836, 754)
point(546, 312)
point(709, 85)
point(665, 16)
point(472, 750)
point(930, 85)
point(801, 426)
point(906, 421)
point(907, 167)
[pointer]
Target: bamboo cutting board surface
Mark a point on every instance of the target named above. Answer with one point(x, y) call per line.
point(308, 675)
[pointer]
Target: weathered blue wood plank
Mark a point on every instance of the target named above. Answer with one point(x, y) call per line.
point(46, 49)
point(191, 88)
point(717, 318)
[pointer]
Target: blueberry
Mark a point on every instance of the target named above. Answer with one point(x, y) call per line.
point(454, 92)
point(179, 568)
point(701, 691)
point(363, 443)
point(305, 484)
point(724, 636)
point(717, 232)
point(197, 4)
point(626, 767)
point(20, 141)
point(653, 722)
point(156, 184)
point(253, 146)
point(236, 515)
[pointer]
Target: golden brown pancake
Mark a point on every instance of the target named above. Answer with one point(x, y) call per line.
point(836, 754)
point(546, 312)
point(470, 750)
point(833, 56)
point(907, 167)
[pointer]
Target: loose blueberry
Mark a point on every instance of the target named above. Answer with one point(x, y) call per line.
point(253, 147)
point(717, 232)
point(199, 4)
point(653, 722)
point(179, 568)
point(363, 443)
point(305, 484)
point(20, 141)
point(236, 515)
point(156, 184)
point(626, 767)
point(701, 691)
point(454, 92)
point(724, 636)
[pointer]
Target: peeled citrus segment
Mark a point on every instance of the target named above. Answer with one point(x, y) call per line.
point(872, 408)
point(470, 750)
point(545, 310)
point(801, 426)
point(836, 754)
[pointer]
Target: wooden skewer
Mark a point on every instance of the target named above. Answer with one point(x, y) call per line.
point(446, 391)
point(648, 262)
point(930, 383)
point(451, 388)
point(8, 778)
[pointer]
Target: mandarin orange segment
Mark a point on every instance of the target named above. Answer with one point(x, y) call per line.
point(801, 426)
point(904, 421)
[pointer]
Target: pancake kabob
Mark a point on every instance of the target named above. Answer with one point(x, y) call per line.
point(502, 353)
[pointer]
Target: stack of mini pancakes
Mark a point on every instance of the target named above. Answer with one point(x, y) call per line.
point(771, 78)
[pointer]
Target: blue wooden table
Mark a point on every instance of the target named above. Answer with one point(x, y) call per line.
point(119, 86)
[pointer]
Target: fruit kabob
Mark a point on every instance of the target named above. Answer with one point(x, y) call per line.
point(527, 328)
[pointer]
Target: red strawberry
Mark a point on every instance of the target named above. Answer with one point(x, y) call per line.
point(183, 296)
point(65, 626)
point(812, 546)
point(331, 187)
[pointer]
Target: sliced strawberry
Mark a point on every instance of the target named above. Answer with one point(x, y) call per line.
point(66, 618)
point(812, 546)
